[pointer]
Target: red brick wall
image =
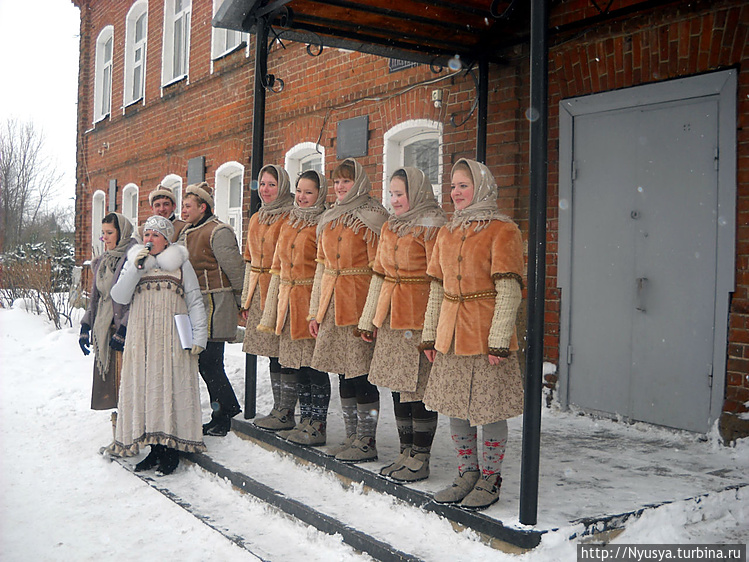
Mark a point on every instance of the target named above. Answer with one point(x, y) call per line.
point(210, 114)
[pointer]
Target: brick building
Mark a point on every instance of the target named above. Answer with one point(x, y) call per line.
point(166, 98)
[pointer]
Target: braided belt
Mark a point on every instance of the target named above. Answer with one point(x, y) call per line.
point(255, 269)
point(471, 296)
point(349, 271)
point(293, 282)
point(397, 280)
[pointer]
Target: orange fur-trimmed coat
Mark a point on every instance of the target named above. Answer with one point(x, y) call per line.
point(259, 250)
point(294, 262)
point(402, 261)
point(467, 262)
point(348, 259)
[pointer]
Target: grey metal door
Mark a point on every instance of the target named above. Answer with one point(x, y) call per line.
point(643, 262)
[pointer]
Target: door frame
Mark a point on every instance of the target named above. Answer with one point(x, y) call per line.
point(722, 84)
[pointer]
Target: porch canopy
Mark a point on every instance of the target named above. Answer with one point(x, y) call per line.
point(460, 34)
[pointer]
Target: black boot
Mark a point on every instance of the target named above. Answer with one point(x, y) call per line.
point(220, 423)
point(151, 460)
point(168, 462)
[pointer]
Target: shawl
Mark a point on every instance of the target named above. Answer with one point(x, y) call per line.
point(104, 281)
point(357, 209)
point(424, 213)
point(300, 217)
point(269, 213)
point(483, 207)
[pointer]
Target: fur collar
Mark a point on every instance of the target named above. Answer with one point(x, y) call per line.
point(170, 259)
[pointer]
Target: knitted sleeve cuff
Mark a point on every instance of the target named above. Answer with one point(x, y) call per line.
point(246, 286)
point(432, 314)
point(268, 320)
point(314, 300)
point(370, 306)
point(506, 305)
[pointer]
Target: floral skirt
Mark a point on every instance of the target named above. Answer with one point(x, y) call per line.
point(337, 349)
point(258, 343)
point(398, 364)
point(467, 387)
point(294, 354)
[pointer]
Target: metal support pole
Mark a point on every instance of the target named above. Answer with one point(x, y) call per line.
point(258, 138)
point(536, 263)
point(481, 118)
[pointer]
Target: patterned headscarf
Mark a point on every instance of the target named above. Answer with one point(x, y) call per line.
point(269, 213)
point(111, 258)
point(424, 213)
point(161, 225)
point(358, 209)
point(483, 207)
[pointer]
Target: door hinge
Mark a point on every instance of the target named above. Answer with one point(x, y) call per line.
point(569, 355)
point(573, 171)
point(710, 376)
point(716, 158)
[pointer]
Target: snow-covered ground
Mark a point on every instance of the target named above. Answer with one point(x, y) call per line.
point(61, 500)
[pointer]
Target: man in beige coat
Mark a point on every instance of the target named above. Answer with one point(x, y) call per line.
point(215, 257)
point(164, 204)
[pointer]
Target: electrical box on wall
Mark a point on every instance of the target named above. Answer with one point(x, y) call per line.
point(196, 170)
point(352, 137)
point(112, 196)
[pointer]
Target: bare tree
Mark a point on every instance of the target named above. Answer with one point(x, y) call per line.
point(28, 182)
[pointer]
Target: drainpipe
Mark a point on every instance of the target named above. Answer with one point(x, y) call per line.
point(481, 118)
point(536, 263)
point(258, 138)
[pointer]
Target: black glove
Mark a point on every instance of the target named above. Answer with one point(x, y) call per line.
point(83, 340)
point(118, 339)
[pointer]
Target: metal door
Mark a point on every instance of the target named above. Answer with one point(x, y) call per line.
point(643, 262)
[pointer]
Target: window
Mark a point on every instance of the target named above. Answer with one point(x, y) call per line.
point(416, 143)
point(103, 74)
point(229, 196)
point(136, 31)
point(223, 41)
point(303, 157)
point(130, 203)
point(176, 56)
point(174, 182)
point(97, 215)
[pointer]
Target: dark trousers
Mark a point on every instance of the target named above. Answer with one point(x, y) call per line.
point(211, 366)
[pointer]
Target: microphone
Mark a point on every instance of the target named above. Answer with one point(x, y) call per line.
point(141, 262)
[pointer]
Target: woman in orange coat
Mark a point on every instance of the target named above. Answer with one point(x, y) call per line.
point(347, 238)
point(287, 307)
point(477, 266)
point(394, 314)
point(262, 234)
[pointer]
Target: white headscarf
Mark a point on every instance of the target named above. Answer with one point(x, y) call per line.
point(284, 201)
point(483, 207)
point(309, 216)
point(424, 213)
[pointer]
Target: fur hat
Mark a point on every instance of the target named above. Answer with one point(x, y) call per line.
point(161, 191)
point(202, 191)
point(161, 225)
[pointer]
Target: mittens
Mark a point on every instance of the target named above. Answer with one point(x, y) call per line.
point(118, 339)
point(83, 340)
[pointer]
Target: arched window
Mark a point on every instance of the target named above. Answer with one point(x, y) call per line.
point(174, 182)
point(302, 157)
point(136, 37)
point(130, 203)
point(98, 212)
point(416, 143)
point(176, 52)
point(103, 74)
point(229, 196)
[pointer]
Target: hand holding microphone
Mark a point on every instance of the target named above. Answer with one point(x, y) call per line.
point(140, 258)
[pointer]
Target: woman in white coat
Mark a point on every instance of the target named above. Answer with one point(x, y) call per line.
point(159, 400)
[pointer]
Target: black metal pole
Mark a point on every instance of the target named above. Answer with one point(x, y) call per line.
point(258, 138)
point(538, 115)
point(481, 118)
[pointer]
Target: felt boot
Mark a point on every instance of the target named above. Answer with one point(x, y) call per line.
point(168, 462)
point(153, 458)
point(333, 451)
point(460, 488)
point(397, 464)
point(286, 433)
point(276, 420)
point(363, 449)
point(313, 434)
point(484, 493)
point(415, 468)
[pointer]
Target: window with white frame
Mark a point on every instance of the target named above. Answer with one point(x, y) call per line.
point(229, 196)
point(224, 41)
point(98, 212)
point(103, 74)
point(302, 157)
point(136, 36)
point(176, 55)
point(416, 143)
point(130, 203)
point(174, 183)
